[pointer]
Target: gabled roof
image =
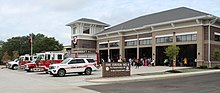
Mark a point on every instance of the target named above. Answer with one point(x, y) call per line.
point(164, 16)
point(86, 20)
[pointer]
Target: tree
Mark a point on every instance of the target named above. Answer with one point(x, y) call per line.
point(15, 54)
point(171, 52)
point(22, 44)
point(216, 54)
point(5, 57)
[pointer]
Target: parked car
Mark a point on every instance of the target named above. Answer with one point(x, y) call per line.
point(13, 64)
point(73, 65)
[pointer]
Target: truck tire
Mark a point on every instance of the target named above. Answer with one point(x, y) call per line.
point(14, 67)
point(88, 71)
point(61, 73)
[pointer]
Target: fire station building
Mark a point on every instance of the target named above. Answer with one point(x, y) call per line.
point(196, 33)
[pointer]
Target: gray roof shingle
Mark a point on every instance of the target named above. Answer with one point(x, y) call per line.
point(88, 20)
point(164, 16)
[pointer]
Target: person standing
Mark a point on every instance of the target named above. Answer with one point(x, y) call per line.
point(152, 63)
point(185, 61)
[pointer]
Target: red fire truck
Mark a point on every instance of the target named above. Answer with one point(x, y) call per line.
point(43, 61)
point(24, 59)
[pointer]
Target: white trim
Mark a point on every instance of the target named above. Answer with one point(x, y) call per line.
point(130, 40)
point(114, 41)
point(155, 31)
point(187, 33)
point(164, 35)
point(217, 33)
point(103, 42)
point(145, 38)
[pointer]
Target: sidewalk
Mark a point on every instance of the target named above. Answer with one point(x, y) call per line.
point(138, 74)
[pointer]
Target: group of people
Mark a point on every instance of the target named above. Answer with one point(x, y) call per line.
point(141, 62)
point(181, 62)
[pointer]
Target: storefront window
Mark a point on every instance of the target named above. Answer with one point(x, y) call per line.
point(145, 42)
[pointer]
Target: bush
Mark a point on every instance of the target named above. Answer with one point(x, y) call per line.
point(216, 67)
point(203, 67)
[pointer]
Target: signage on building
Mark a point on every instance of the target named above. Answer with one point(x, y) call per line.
point(74, 40)
point(116, 69)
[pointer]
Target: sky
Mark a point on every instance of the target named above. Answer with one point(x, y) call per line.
point(49, 17)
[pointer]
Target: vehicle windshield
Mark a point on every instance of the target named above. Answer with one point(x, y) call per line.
point(65, 61)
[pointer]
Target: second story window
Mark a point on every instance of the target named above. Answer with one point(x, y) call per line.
point(131, 43)
point(103, 45)
point(86, 30)
point(74, 30)
point(164, 39)
point(114, 44)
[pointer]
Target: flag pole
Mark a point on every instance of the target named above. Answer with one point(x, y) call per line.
point(31, 44)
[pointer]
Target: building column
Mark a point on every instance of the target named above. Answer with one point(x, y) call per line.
point(138, 47)
point(200, 48)
point(121, 48)
point(154, 48)
point(109, 56)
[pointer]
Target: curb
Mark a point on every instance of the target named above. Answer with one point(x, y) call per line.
point(151, 77)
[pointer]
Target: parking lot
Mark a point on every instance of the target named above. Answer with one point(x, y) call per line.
point(15, 81)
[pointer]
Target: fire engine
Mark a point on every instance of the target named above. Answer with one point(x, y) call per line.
point(24, 59)
point(43, 61)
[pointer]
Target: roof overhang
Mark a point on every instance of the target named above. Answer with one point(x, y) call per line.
point(162, 23)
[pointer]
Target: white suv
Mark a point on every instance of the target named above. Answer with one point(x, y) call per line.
point(73, 65)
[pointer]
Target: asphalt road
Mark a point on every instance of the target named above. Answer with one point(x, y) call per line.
point(13, 81)
point(207, 83)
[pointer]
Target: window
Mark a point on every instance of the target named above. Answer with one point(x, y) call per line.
point(72, 62)
point(164, 39)
point(130, 43)
point(47, 57)
point(90, 60)
point(189, 37)
point(74, 30)
point(114, 44)
point(184, 38)
point(59, 56)
point(80, 61)
point(103, 45)
point(145, 42)
point(217, 38)
point(86, 30)
point(178, 38)
point(26, 58)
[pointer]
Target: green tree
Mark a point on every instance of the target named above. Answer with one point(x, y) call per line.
point(171, 52)
point(22, 44)
point(15, 54)
point(216, 54)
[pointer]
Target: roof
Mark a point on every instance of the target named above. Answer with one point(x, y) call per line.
point(86, 20)
point(164, 16)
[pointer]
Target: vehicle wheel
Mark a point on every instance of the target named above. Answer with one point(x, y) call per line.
point(88, 71)
point(61, 73)
point(80, 73)
point(30, 70)
point(14, 67)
